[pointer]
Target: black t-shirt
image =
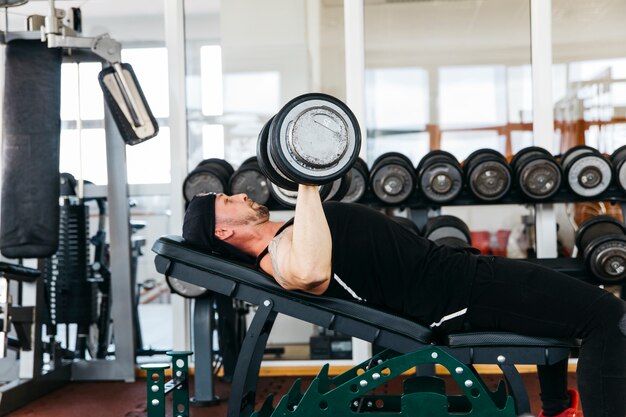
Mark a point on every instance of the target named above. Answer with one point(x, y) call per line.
point(377, 260)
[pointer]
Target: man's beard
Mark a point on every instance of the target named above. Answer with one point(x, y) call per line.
point(262, 212)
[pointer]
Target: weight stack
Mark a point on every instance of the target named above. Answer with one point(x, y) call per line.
point(71, 296)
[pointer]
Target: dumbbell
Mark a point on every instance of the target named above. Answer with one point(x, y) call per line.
point(537, 173)
point(340, 187)
point(287, 198)
point(602, 242)
point(359, 180)
point(249, 179)
point(448, 230)
point(488, 174)
point(392, 178)
point(587, 172)
point(211, 175)
point(314, 139)
point(440, 176)
point(185, 289)
point(618, 159)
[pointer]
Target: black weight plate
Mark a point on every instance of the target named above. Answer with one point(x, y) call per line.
point(596, 227)
point(340, 187)
point(202, 180)
point(358, 184)
point(447, 221)
point(524, 153)
point(221, 162)
point(453, 242)
point(314, 139)
point(482, 154)
point(618, 159)
point(605, 258)
point(393, 156)
point(288, 198)
point(618, 154)
point(184, 288)
point(267, 165)
point(392, 183)
point(566, 157)
point(489, 180)
point(440, 176)
point(540, 178)
point(249, 179)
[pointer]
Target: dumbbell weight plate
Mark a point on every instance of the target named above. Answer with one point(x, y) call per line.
point(358, 183)
point(605, 258)
point(288, 198)
point(392, 177)
point(250, 181)
point(267, 164)
point(596, 227)
point(228, 168)
point(185, 289)
point(618, 160)
point(573, 152)
point(537, 174)
point(443, 226)
point(440, 176)
point(408, 224)
point(588, 175)
point(314, 139)
point(204, 179)
point(488, 174)
point(340, 187)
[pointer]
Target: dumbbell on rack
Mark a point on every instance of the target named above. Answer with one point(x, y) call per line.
point(359, 181)
point(440, 176)
point(487, 174)
point(618, 160)
point(250, 180)
point(448, 230)
point(211, 175)
point(314, 140)
point(392, 178)
point(587, 172)
point(601, 242)
point(537, 174)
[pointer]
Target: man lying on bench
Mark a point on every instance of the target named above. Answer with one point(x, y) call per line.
point(351, 251)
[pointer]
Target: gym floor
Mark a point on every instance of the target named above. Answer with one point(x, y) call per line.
point(118, 399)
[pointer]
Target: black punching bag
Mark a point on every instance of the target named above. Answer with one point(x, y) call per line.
point(29, 219)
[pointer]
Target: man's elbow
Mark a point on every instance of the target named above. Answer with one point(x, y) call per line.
point(311, 280)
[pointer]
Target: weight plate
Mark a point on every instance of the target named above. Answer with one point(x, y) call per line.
point(618, 159)
point(481, 154)
point(218, 161)
point(288, 198)
point(526, 153)
point(446, 232)
point(202, 180)
point(446, 220)
point(489, 180)
point(596, 227)
point(392, 183)
point(358, 186)
point(605, 258)
point(267, 164)
point(397, 157)
point(452, 241)
point(588, 175)
point(340, 187)
point(185, 289)
point(573, 152)
point(314, 139)
point(251, 182)
point(441, 181)
point(539, 179)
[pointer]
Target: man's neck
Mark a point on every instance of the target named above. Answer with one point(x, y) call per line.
point(266, 232)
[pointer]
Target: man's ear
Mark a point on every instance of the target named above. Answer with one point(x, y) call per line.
point(223, 234)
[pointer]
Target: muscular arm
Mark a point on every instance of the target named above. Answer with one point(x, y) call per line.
point(303, 257)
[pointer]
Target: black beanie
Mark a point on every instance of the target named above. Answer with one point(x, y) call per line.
point(199, 228)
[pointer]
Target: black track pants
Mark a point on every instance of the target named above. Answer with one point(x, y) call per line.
point(521, 297)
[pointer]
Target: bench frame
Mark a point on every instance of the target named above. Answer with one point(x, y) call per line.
point(176, 259)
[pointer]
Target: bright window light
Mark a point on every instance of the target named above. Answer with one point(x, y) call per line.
point(211, 80)
point(213, 141)
point(93, 159)
point(149, 162)
point(252, 92)
point(150, 67)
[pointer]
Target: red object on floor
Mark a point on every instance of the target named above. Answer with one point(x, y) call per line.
point(573, 410)
point(480, 241)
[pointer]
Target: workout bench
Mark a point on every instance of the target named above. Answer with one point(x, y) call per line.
point(240, 281)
